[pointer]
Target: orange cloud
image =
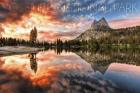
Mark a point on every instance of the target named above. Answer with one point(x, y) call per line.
point(44, 17)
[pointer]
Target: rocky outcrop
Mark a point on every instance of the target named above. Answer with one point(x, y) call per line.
point(101, 25)
point(98, 29)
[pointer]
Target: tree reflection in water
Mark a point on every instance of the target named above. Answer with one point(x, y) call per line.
point(33, 62)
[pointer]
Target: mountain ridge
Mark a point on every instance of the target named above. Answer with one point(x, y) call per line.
point(96, 30)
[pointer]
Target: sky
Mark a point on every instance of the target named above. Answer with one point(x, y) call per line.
point(63, 19)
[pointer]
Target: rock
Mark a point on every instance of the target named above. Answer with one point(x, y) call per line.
point(97, 30)
point(101, 25)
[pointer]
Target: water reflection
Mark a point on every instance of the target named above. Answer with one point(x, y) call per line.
point(124, 75)
point(33, 62)
point(69, 72)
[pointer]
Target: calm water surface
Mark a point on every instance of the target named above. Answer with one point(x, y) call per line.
point(79, 72)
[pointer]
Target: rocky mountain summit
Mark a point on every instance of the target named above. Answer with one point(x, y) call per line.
point(101, 25)
point(97, 30)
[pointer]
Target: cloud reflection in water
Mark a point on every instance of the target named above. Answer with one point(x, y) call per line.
point(55, 73)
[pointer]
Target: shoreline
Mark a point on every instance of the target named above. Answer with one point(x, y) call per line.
point(13, 50)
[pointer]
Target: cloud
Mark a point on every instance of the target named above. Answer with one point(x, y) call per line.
point(14, 10)
point(111, 1)
point(18, 18)
point(77, 8)
point(123, 23)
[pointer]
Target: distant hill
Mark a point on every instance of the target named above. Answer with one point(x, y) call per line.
point(97, 30)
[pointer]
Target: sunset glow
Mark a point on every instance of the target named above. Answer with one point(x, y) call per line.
point(50, 19)
point(69, 46)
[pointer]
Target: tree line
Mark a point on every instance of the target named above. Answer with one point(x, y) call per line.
point(129, 35)
point(21, 42)
point(119, 36)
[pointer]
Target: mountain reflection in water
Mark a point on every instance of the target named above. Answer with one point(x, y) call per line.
point(79, 72)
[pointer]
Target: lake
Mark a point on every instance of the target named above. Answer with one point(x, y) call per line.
point(100, 71)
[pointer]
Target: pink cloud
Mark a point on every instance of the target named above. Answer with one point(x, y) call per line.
point(123, 23)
